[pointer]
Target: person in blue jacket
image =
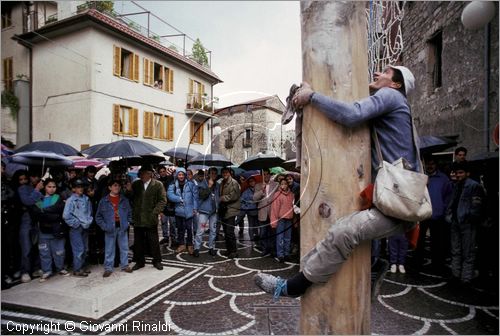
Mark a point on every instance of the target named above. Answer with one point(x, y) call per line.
point(78, 215)
point(113, 216)
point(208, 198)
point(184, 194)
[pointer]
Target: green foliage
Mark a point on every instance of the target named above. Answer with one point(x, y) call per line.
point(105, 6)
point(156, 38)
point(9, 99)
point(174, 48)
point(198, 53)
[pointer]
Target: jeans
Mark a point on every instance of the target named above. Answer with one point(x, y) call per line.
point(167, 231)
point(51, 249)
point(110, 239)
point(183, 225)
point(79, 245)
point(343, 236)
point(463, 241)
point(203, 219)
point(398, 247)
point(283, 237)
point(253, 230)
point(27, 234)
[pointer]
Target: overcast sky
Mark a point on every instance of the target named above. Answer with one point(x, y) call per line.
point(255, 45)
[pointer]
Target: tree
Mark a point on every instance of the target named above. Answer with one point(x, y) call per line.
point(198, 53)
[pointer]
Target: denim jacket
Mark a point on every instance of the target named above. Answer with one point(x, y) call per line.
point(208, 197)
point(105, 216)
point(247, 202)
point(78, 211)
point(470, 204)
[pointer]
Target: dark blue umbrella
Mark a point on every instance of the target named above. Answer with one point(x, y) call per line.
point(50, 146)
point(217, 160)
point(431, 144)
point(125, 149)
point(182, 153)
point(92, 149)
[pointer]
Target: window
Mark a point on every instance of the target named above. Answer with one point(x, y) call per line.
point(196, 132)
point(196, 91)
point(435, 59)
point(125, 64)
point(6, 16)
point(248, 134)
point(158, 76)
point(7, 74)
point(125, 120)
point(158, 126)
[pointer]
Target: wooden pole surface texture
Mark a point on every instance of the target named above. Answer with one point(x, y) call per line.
point(335, 162)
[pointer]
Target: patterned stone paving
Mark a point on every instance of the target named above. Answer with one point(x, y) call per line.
point(216, 295)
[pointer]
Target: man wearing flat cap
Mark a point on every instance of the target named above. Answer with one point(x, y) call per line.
point(148, 199)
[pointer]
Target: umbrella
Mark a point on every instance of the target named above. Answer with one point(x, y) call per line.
point(262, 160)
point(92, 149)
point(154, 158)
point(290, 165)
point(432, 144)
point(40, 158)
point(218, 160)
point(125, 149)
point(49, 146)
point(82, 163)
point(248, 173)
point(277, 170)
point(182, 153)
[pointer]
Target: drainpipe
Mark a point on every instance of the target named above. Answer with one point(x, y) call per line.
point(486, 112)
point(30, 51)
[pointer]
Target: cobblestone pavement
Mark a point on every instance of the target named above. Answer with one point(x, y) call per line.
point(216, 295)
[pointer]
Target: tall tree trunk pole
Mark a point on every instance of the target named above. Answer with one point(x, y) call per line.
point(335, 162)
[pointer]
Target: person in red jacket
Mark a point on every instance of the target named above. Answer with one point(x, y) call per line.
point(281, 220)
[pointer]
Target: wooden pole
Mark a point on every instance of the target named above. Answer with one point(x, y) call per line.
point(335, 162)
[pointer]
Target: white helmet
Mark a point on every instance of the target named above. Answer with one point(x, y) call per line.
point(407, 76)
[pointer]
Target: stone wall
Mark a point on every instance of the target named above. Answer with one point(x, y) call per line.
point(455, 108)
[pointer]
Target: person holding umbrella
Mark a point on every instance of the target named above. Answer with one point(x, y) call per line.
point(148, 199)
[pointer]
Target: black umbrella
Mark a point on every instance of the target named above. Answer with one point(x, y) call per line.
point(125, 149)
point(182, 153)
point(41, 158)
point(49, 146)
point(432, 144)
point(92, 149)
point(261, 161)
point(218, 160)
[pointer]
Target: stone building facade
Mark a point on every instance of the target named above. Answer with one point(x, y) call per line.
point(448, 61)
point(250, 127)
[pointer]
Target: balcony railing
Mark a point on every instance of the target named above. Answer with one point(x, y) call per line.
point(198, 102)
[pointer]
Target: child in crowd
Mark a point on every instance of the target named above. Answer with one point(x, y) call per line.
point(48, 212)
point(398, 247)
point(113, 216)
point(78, 215)
point(281, 220)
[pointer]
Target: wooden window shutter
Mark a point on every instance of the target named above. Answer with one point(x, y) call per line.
point(170, 134)
point(151, 72)
point(135, 67)
point(134, 122)
point(117, 64)
point(116, 118)
point(200, 132)
point(191, 132)
point(147, 73)
point(163, 127)
point(148, 125)
point(170, 80)
point(191, 84)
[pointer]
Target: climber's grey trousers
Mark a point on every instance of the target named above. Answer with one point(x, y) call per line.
point(343, 236)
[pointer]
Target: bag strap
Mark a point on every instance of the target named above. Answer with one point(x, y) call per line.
point(415, 141)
